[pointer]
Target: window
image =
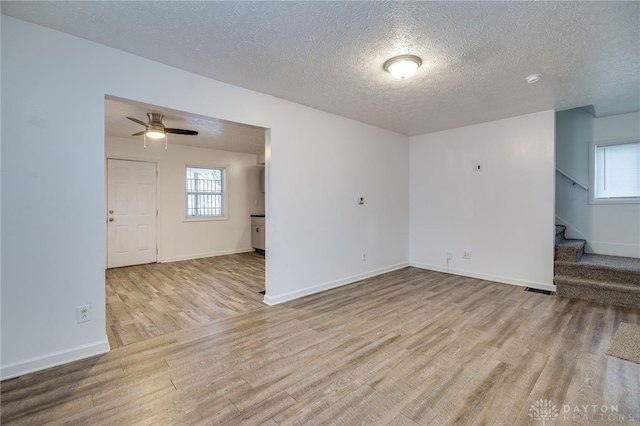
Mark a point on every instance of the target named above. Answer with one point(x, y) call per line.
point(616, 172)
point(205, 192)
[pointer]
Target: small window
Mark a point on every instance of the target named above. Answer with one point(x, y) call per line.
point(205, 192)
point(616, 172)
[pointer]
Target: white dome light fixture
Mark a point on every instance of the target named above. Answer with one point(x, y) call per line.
point(534, 78)
point(403, 66)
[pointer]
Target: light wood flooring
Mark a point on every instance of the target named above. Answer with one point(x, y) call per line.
point(150, 300)
point(404, 348)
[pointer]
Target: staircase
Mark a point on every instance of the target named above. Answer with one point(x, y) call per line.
point(593, 277)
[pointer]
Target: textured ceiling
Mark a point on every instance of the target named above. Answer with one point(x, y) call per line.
point(329, 55)
point(212, 133)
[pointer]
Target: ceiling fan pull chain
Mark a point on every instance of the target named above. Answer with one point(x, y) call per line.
point(145, 141)
point(165, 140)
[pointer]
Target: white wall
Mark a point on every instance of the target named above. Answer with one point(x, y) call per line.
point(574, 131)
point(611, 229)
point(615, 228)
point(53, 187)
point(180, 239)
point(502, 215)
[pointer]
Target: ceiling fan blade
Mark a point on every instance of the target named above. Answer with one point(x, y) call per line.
point(139, 133)
point(137, 121)
point(180, 131)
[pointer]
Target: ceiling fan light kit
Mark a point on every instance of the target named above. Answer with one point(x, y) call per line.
point(155, 132)
point(154, 129)
point(403, 66)
point(148, 134)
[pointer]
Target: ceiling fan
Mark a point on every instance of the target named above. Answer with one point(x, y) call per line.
point(154, 128)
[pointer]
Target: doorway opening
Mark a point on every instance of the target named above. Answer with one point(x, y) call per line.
point(196, 268)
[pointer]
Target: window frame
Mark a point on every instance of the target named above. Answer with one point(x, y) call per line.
point(225, 204)
point(592, 172)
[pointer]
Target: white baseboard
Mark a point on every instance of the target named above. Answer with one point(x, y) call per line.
point(615, 249)
point(53, 359)
point(274, 300)
point(487, 277)
point(202, 255)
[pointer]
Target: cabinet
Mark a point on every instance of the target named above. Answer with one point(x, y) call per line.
point(258, 233)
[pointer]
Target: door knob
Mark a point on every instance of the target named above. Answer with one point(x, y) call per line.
point(110, 219)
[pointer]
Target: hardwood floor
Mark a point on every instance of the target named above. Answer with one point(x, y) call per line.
point(150, 300)
point(405, 348)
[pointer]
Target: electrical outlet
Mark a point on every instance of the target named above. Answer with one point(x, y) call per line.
point(360, 200)
point(83, 313)
point(466, 255)
point(364, 256)
point(449, 255)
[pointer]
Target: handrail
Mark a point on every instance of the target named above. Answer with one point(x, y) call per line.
point(572, 179)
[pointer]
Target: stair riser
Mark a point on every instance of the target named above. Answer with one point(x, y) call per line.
point(560, 233)
point(597, 273)
point(629, 298)
point(568, 254)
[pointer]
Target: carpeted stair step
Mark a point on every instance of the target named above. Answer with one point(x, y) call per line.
point(569, 250)
point(560, 233)
point(619, 294)
point(595, 267)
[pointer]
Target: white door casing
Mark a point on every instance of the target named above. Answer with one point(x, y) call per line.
point(131, 213)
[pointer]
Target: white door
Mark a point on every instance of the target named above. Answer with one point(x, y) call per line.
point(131, 213)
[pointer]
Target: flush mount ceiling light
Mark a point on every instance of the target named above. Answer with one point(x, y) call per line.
point(403, 66)
point(534, 78)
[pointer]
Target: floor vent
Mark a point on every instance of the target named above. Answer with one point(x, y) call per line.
point(537, 290)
